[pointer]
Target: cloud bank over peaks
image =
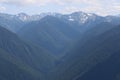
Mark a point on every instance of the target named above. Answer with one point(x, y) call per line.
point(100, 7)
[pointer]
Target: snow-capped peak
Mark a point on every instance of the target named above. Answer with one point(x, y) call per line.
point(81, 17)
point(70, 18)
point(23, 16)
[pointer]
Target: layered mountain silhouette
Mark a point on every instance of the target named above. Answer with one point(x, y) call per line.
point(50, 33)
point(77, 46)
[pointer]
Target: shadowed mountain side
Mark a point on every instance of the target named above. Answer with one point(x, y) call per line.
point(35, 58)
point(84, 57)
point(109, 69)
point(13, 69)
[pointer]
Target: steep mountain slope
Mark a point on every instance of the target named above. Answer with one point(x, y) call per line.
point(36, 59)
point(10, 22)
point(109, 69)
point(83, 57)
point(13, 69)
point(50, 33)
point(113, 19)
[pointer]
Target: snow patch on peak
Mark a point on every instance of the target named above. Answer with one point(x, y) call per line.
point(70, 18)
point(83, 18)
point(90, 14)
point(23, 16)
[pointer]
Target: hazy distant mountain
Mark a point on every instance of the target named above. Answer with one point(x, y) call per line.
point(57, 33)
point(53, 46)
point(50, 33)
point(16, 22)
point(27, 18)
point(10, 22)
point(77, 19)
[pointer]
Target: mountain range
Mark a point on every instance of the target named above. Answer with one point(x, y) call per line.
point(16, 22)
point(53, 46)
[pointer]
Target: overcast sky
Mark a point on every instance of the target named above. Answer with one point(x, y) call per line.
point(100, 7)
